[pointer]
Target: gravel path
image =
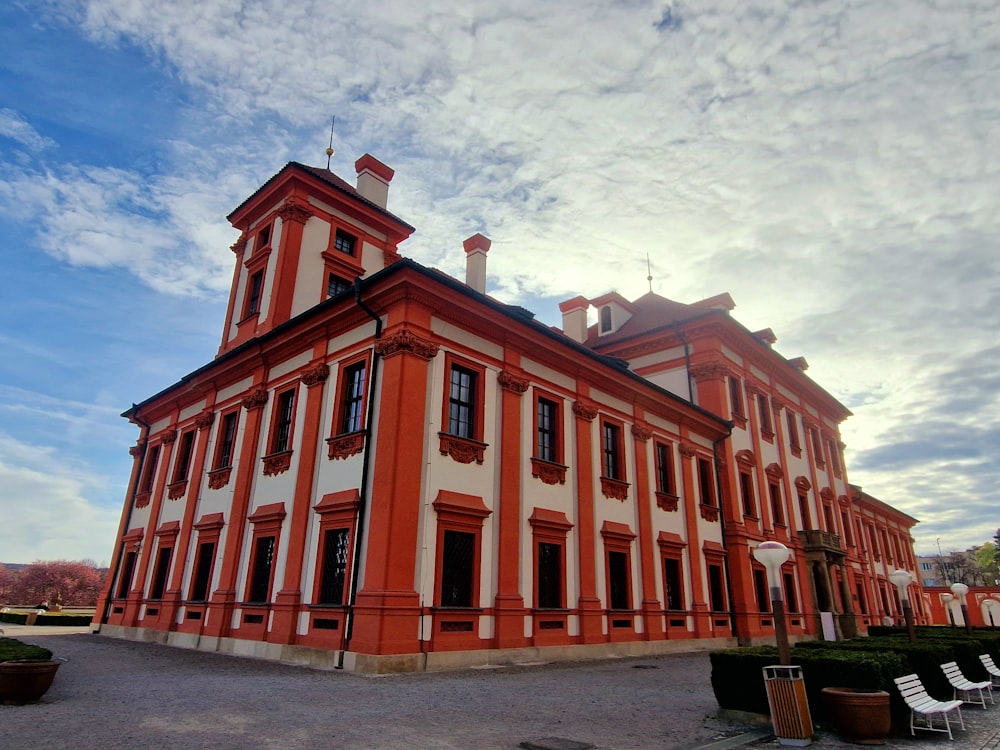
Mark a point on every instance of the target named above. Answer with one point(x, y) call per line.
point(122, 694)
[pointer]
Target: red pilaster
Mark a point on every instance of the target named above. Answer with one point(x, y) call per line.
point(294, 215)
point(589, 606)
point(699, 591)
point(652, 611)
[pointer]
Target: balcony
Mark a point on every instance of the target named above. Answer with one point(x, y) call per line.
point(821, 541)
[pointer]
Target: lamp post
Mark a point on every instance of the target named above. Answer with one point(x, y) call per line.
point(947, 599)
point(772, 555)
point(902, 579)
point(960, 590)
point(990, 604)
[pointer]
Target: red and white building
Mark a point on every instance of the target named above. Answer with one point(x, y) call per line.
point(386, 469)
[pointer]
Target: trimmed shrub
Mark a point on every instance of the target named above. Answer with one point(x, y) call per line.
point(12, 649)
point(65, 620)
point(14, 618)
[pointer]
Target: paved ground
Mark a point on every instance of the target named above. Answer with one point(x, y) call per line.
point(120, 694)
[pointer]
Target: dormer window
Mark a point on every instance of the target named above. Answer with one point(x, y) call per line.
point(344, 242)
point(605, 319)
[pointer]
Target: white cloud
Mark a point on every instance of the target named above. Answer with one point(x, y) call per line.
point(14, 126)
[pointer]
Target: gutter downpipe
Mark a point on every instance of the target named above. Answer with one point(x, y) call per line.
point(363, 490)
point(119, 548)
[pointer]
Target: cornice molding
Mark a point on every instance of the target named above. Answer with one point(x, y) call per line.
point(315, 375)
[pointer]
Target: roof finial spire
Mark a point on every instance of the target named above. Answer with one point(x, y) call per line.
point(329, 149)
point(649, 273)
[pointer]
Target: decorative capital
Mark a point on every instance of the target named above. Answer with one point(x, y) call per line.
point(294, 210)
point(642, 431)
point(511, 382)
point(709, 371)
point(256, 399)
point(240, 245)
point(204, 419)
point(687, 449)
point(405, 342)
point(315, 375)
point(135, 451)
point(585, 410)
point(168, 437)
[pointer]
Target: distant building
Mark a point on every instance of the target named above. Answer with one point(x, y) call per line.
point(386, 469)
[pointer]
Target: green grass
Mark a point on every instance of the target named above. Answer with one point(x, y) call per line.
point(12, 649)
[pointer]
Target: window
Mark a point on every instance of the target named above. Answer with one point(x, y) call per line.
point(149, 470)
point(673, 583)
point(716, 588)
point(793, 433)
point(160, 572)
point(227, 440)
point(804, 510)
point(202, 571)
point(282, 440)
point(457, 561)
point(336, 285)
point(605, 316)
point(613, 450)
point(549, 575)
point(828, 518)
point(462, 402)
point(333, 574)
point(618, 580)
point(862, 601)
point(254, 294)
point(547, 430)
point(183, 462)
point(665, 469)
point(344, 242)
point(834, 456)
point(352, 389)
point(817, 447)
point(736, 397)
point(705, 484)
point(263, 238)
point(747, 494)
point(777, 513)
point(845, 522)
point(791, 601)
point(261, 567)
point(764, 407)
point(128, 569)
point(761, 590)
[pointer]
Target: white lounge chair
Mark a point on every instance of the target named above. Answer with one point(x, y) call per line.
point(920, 703)
point(965, 687)
point(991, 667)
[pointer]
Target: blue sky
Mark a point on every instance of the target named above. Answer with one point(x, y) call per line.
point(834, 166)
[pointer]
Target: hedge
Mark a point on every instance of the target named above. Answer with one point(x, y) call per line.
point(12, 649)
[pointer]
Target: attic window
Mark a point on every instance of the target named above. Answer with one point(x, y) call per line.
point(263, 238)
point(344, 242)
point(605, 317)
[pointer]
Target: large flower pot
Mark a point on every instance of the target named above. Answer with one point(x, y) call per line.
point(860, 715)
point(25, 681)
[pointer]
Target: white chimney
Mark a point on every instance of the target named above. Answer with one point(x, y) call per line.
point(373, 179)
point(476, 248)
point(574, 312)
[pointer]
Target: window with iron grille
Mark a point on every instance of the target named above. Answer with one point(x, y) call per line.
point(160, 572)
point(462, 403)
point(227, 439)
point(283, 425)
point(184, 456)
point(353, 385)
point(716, 588)
point(457, 560)
point(761, 590)
point(612, 451)
point(334, 573)
point(618, 580)
point(125, 582)
point(336, 285)
point(546, 445)
point(263, 560)
point(665, 469)
point(549, 575)
point(256, 291)
point(149, 470)
point(673, 582)
point(202, 571)
point(344, 242)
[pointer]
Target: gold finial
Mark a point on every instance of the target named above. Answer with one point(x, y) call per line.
point(329, 149)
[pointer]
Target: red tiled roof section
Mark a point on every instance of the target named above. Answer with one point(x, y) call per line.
point(649, 312)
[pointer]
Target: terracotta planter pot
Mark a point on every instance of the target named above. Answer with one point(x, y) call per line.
point(25, 681)
point(860, 715)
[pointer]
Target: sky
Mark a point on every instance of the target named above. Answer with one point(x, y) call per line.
point(834, 166)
